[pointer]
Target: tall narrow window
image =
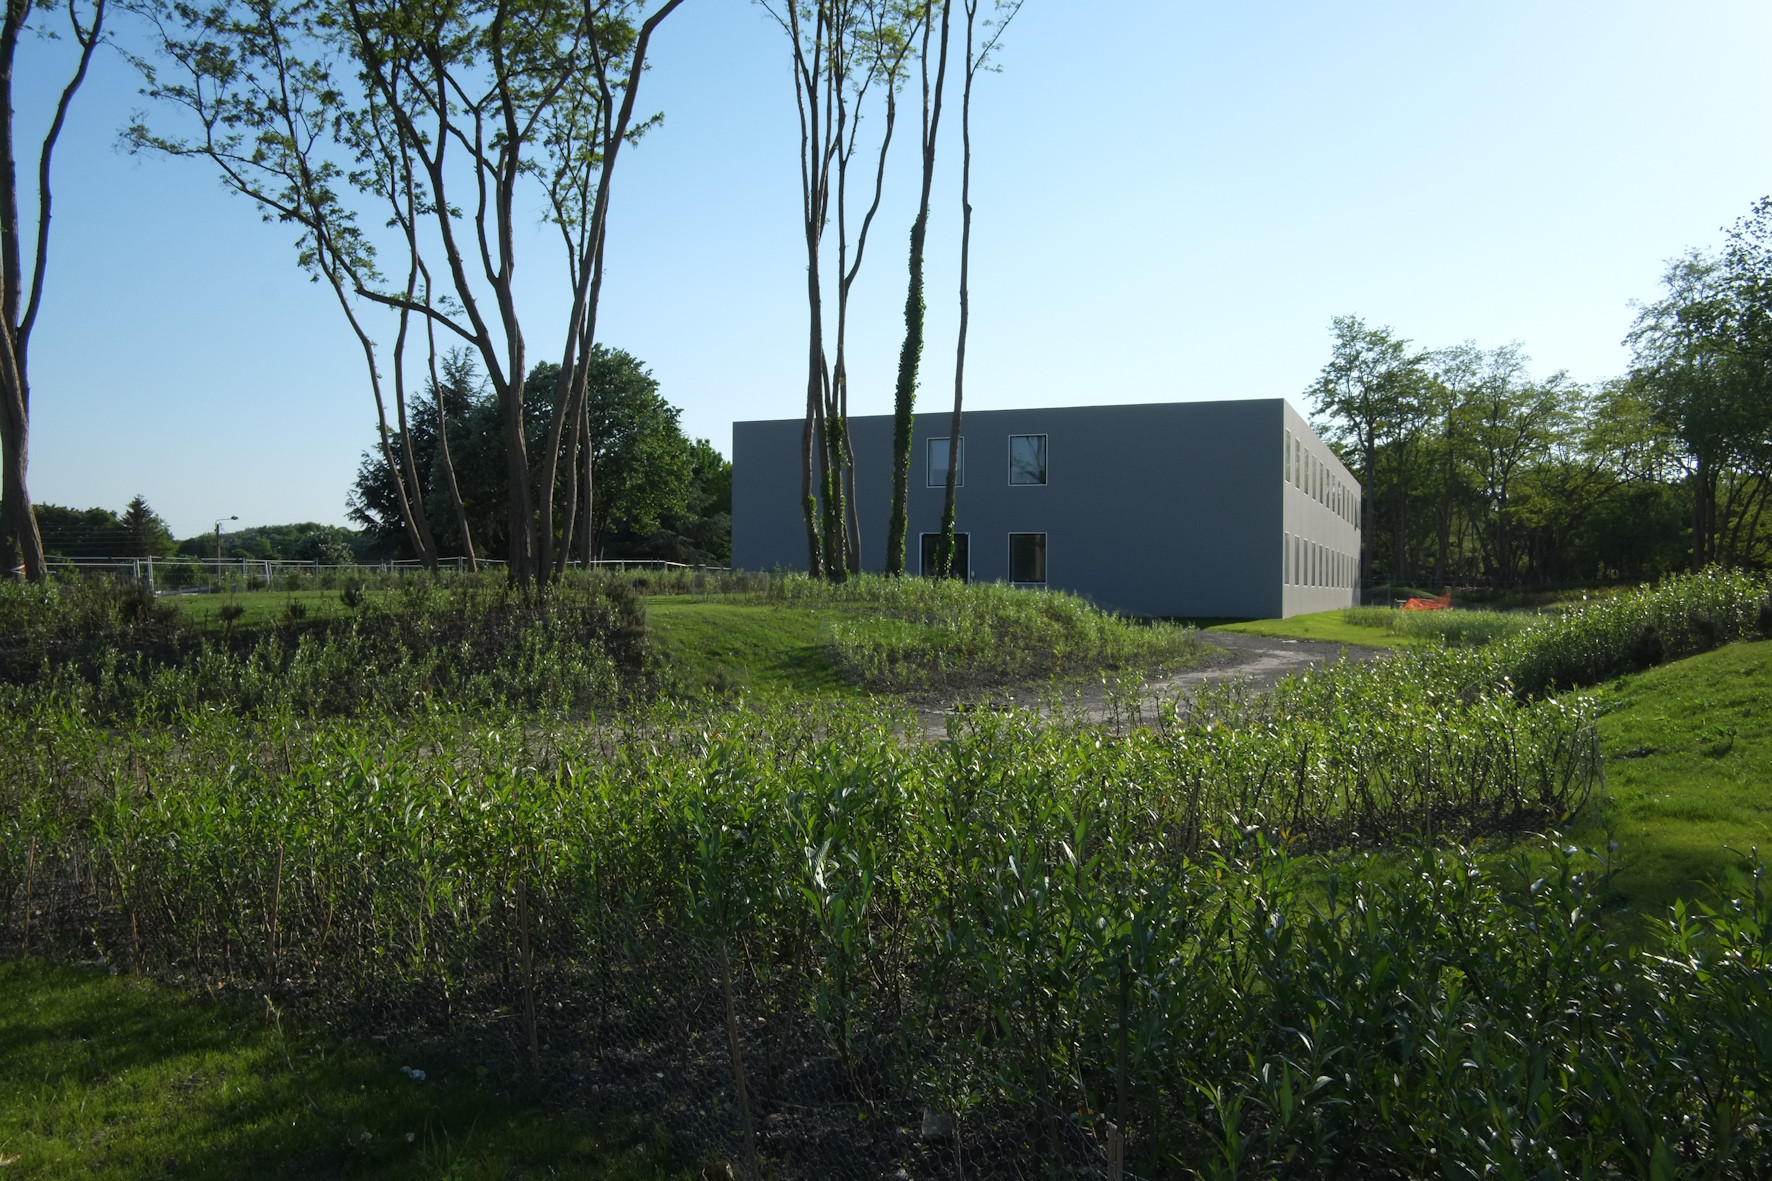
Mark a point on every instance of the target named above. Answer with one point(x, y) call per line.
point(962, 566)
point(1027, 459)
point(1286, 458)
point(938, 464)
point(1286, 558)
point(1027, 557)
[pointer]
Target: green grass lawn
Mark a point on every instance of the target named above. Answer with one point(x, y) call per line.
point(756, 645)
point(259, 607)
point(1688, 761)
point(1327, 626)
point(107, 1077)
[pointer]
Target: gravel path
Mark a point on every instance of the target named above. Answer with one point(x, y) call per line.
point(1257, 660)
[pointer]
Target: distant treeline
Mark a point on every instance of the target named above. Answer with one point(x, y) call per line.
point(1475, 472)
point(138, 532)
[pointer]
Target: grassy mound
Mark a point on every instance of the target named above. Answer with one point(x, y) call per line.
point(1688, 764)
point(908, 634)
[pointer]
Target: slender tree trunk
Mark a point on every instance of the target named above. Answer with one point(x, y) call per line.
point(816, 69)
point(944, 554)
point(585, 531)
point(808, 498)
point(887, 71)
point(567, 406)
point(405, 494)
point(519, 504)
point(1704, 507)
point(1368, 501)
point(415, 498)
point(569, 518)
point(20, 541)
point(911, 354)
point(455, 501)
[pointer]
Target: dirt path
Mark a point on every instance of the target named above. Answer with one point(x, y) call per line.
point(1256, 660)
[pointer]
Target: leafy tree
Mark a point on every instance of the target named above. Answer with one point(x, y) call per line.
point(79, 533)
point(1373, 396)
point(701, 532)
point(641, 461)
point(327, 546)
point(333, 114)
point(641, 466)
point(144, 533)
point(21, 289)
point(1701, 360)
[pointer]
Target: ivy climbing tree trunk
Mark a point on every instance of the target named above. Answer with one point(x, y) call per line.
point(911, 354)
point(975, 61)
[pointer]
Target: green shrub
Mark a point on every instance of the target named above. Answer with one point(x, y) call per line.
point(1021, 923)
point(474, 646)
point(1597, 641)
point(1456, 627)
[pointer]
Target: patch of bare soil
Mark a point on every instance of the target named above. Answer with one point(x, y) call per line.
point(1257, 661)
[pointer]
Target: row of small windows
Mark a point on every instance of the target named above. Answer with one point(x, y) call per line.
point(1309, 563)
point(1317, 480)
point(1027, 556)
point(1027, 461)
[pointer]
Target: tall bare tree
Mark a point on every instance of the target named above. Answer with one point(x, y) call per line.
point(975, 61)
point(842, 51)
point(883, 45)
point(911, 354)
point(308, 106)
point(20, 300)
point(579, 192)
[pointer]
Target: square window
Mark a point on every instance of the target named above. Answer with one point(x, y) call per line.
point(962, 555)
point(938, 464)
point(1027, 557)
point(1027, 459)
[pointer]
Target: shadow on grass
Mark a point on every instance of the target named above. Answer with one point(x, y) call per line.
point(105, 1077)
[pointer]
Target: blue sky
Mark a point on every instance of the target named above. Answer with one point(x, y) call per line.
point(1171, 202)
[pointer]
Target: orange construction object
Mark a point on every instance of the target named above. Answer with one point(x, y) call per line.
point(1439, 604)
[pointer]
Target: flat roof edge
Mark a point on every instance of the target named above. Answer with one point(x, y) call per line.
point(1041, 409)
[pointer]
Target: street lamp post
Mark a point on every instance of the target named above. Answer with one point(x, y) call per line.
point(218, 545)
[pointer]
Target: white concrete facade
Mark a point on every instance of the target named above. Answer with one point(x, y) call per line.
point(1320, 524)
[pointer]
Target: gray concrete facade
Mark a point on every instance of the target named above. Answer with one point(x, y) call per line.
point(1185, 509)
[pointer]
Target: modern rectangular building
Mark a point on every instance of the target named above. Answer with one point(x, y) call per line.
point(1181, 509)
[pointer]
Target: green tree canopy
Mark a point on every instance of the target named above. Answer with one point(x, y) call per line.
point(144, 533)
point(654, 492)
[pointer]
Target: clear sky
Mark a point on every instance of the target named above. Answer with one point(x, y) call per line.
point(1171, 201)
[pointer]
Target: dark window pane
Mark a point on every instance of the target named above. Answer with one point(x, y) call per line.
point(938, 464)
point(1027, 459)
point(1027, 557)
point(962, 555)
